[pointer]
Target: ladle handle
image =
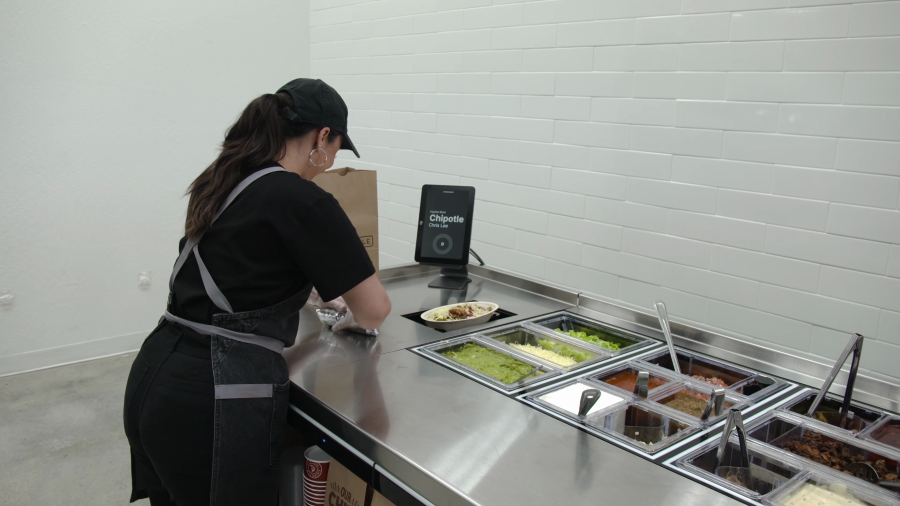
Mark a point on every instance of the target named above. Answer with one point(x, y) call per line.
point(667, 332)
point(854, 346)
point(734, 422)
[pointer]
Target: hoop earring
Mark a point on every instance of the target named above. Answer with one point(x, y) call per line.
point(314, 164)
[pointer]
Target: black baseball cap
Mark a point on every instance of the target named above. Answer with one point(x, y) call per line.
point(317, 103)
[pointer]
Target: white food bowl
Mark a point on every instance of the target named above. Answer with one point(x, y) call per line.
point(428, 316)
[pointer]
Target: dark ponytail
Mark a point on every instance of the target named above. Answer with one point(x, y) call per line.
point(257, 138)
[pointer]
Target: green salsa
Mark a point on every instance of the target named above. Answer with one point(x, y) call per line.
point(591, 339)
point(494, 364)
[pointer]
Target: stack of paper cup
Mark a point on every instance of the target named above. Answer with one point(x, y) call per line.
point(315, 476)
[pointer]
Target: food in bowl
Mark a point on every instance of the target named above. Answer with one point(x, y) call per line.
point(459, 312)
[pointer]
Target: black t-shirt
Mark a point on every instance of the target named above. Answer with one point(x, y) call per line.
point(279, 234)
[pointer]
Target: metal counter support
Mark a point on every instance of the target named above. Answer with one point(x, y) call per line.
point(407, 423)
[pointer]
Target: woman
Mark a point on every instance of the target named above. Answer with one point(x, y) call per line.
point(208, 393)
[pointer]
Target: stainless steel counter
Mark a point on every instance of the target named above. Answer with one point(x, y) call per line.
point(455, 441)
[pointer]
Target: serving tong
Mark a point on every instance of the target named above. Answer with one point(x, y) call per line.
point(641, 386)
point(761, 481)
point(715, 404)
point(855, 347)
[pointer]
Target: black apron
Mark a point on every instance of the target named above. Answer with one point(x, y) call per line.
point(251, 383)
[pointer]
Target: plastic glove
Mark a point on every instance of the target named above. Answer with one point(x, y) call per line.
point(349, 323)
point(346, 323)
point(316, 300)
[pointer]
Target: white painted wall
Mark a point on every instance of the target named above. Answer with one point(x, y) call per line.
point(110, 109)
point(738, 159)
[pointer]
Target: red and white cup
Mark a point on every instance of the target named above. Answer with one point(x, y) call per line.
point(315, 476)
point(311, 501)
point(314, 497)
point(316, 465)
point(313, 489)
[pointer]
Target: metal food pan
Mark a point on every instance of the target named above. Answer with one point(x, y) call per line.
point(837, 488)
point(885, 432)
point(624, 377)
point(673, 397)
point(820, 445)
point(859, 420)
point(702, 463)
point(520, 335)
point(568, 322)
point(567, 405)
point(694, 365)
point(644, 426)
point(437, 350)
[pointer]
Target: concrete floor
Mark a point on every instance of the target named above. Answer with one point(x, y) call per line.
point(61, 436)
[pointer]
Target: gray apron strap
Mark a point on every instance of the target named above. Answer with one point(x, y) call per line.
point(209, 330)
point(212, 290)
point(188, 246)
point(244, 391)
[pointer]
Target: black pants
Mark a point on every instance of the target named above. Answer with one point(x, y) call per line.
point(169, 410)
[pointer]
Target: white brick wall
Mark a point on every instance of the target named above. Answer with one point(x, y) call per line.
point(739, 159)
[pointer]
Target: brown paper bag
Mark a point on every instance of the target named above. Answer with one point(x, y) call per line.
point(357, 193)
point(380, 500)
point(344, 487)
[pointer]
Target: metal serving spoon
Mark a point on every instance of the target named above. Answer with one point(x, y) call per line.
point(667, 331)
point(866, 472)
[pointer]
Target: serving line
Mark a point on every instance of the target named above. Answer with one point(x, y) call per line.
point(414, 425)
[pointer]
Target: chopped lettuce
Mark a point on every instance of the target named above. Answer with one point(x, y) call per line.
point(591, 339)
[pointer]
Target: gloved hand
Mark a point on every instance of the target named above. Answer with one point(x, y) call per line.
point(347, 322)
point(338, 304)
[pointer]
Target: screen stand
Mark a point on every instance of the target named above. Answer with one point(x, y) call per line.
point(451, 278)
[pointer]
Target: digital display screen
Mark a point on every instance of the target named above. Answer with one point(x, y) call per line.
point(445, 224)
